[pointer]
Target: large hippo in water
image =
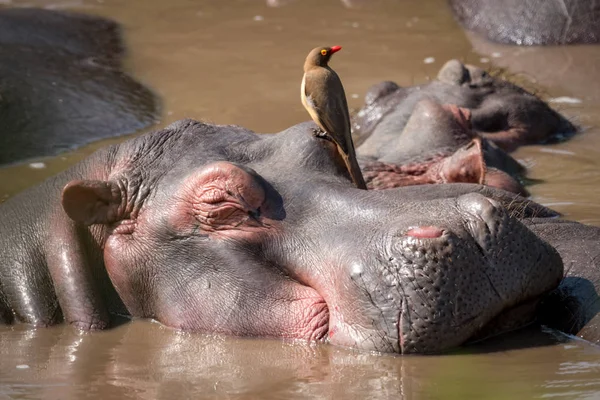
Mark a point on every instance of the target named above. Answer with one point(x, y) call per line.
point(216, 229)
point(500, 112)
point(62, 84)
point(531, 22)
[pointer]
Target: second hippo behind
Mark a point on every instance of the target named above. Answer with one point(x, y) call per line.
point(216, 229)
point(500, 111)
point(438, 145)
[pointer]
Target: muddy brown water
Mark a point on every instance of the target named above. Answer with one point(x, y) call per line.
point(240, 62)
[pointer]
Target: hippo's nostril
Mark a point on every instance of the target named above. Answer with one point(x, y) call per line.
point(478, 205)
point(483, 218)
point(425, 232)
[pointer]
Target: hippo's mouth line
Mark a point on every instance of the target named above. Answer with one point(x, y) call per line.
point(401, 326)
point(476, 327)
point(510, 319)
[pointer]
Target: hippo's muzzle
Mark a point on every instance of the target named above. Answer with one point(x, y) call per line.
point(454, 283)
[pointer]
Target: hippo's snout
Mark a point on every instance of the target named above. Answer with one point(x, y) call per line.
point(458, 274)
point(485, 213)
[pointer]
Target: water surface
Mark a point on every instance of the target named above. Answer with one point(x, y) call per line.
point(240, 62)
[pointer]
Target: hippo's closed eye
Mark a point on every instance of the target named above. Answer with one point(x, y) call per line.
point(224, 197)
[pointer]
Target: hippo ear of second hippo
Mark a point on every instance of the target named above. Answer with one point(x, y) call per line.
point(453, 72)
point(466, 164)
point(92, 202)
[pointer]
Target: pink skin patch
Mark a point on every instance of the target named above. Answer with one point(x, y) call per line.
point(462, 115)
point(425, 232)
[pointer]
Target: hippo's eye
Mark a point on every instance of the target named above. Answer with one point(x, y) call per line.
point(324, 52)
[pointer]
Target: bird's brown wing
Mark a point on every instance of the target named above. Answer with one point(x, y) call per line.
point(325, 93)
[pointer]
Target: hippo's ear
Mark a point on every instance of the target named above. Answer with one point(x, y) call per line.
point(453, 72)
point(502, 180)
point(465, 165)
point(380, 90)
point(92, 202)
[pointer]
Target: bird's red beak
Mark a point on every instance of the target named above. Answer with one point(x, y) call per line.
point(335, 49)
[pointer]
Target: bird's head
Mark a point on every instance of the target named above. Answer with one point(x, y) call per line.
point(319, 56)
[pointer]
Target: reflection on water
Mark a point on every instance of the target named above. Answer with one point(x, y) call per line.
point(240, 61)
point(144, 360)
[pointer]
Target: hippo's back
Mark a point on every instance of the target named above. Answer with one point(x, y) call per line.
point(531, 22)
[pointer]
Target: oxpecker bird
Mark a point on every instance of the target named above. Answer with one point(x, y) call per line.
point(324, 98)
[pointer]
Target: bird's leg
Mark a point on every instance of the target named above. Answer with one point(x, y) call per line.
point(320, 133)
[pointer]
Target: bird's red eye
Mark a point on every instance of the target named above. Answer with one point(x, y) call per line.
point(324, 52)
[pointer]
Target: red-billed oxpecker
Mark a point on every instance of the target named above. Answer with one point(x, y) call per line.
point(324, 98)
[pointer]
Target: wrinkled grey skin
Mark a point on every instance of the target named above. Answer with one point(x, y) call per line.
point(530, 22)
point(425, 152)
point(501, 112)
point(61, 84)
point(216, 229)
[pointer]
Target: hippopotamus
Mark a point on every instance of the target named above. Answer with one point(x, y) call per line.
point(500, 111)
point(426, 152)
point(530, 22)
point(62, 84)
point(214, 228)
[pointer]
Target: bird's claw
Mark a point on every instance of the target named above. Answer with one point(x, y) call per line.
point(318, 132)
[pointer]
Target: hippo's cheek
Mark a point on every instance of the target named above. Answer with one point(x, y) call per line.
point(222, 295)
point(124, 252)
point(284, 309)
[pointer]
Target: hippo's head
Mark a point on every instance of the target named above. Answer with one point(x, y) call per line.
point(216, 229)
point(456, 83)
point(398, 124)
point(436, 145)
point(391, 105)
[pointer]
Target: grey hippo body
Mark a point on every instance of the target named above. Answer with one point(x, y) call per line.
point(62, 84)
point(457, 128)
point(499, 111)
point(216, 229)
point(530, 22)
point(438, 145)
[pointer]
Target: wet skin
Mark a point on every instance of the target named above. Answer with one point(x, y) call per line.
point(216, 229)
point(62, 84)
point(530, 22)
point(574, 306)
point(438, 145)
point(501, 112)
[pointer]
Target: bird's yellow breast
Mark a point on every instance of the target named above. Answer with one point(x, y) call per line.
point(308, 103)
point(303, 91)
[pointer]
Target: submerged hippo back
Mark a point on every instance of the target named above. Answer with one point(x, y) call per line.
point(531, 22)
point(61, 84)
